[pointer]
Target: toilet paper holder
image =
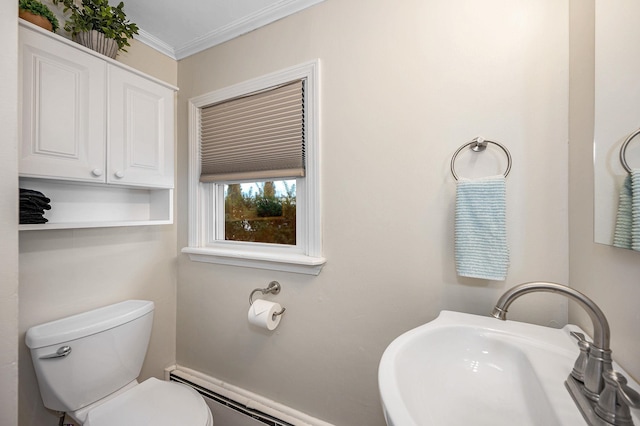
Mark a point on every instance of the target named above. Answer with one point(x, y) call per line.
point(274, 287)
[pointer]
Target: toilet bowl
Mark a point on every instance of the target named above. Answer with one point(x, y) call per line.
point(152, 402)
point(87, 366)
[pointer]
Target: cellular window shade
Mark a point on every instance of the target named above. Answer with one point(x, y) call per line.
point(257, 136)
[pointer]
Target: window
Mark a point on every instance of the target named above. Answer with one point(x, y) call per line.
point(259, 212)
point(254, 196)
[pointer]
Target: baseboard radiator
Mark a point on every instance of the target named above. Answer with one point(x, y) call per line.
point(241, 401)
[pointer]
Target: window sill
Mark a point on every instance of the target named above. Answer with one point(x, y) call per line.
point(292, 262)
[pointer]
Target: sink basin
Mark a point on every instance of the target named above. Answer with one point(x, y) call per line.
point(462, 369)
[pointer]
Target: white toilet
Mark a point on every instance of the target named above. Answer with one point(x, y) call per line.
point(87, 366)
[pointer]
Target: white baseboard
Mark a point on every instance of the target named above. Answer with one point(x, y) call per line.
point(244, 398)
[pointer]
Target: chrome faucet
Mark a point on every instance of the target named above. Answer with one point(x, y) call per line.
point(592, 375)
point(599, 359)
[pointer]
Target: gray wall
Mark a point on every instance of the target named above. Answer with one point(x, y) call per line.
point(403, 85)
point(8, 214)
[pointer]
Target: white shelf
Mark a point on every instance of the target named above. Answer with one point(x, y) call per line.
point(81, 205)
point(84, 225)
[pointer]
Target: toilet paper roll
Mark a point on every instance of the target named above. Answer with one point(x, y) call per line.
point(261, 314)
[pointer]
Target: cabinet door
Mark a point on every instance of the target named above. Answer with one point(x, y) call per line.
point(141, 131)
point(63, 111)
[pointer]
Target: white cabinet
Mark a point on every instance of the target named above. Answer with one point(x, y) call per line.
point(140, 129)
point(85, 119)
point(89, 120)
point(63, 129)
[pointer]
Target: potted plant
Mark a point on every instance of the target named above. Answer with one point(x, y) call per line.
point(98, 25)
point(38, 13)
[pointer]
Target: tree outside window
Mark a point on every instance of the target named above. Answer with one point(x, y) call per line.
point(262, 212)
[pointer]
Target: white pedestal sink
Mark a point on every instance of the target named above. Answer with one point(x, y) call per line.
point(462, 370)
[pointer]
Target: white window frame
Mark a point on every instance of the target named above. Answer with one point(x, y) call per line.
point(306, 256)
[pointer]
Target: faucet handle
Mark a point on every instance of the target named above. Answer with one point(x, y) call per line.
point(616, 398)
point(626, 393)
point(580, 366)
point(578, 336)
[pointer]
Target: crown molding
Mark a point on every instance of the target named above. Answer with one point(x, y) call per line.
point(156, 43)
point(242, 26)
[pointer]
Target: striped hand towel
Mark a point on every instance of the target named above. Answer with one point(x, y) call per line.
point(480, 230)
point(622, 233)
point(627, 230)
point(635, 209)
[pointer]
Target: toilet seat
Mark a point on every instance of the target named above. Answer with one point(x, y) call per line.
point(153, 402)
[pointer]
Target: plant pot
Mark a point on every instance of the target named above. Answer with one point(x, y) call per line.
point(38, 20)
point(96, 40)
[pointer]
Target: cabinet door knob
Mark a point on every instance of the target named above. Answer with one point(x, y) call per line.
point(119, 174)
point(96, 172)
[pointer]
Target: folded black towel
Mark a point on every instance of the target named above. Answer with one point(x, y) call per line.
point(32, 220)
point(27, 202)
point(34, 195)
point(29, 213)
point(32, 206)
point(29, 219)
point(29, 205)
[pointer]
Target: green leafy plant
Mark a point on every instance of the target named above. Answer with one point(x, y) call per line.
point(268, 207)
point(37, 8)
point(100, 16)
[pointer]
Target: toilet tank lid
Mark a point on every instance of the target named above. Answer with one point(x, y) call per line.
point(86, 323)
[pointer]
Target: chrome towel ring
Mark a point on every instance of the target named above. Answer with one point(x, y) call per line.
point(623, 151)
point(478, 145)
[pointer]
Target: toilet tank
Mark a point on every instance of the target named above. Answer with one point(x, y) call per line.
point(108, 346)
